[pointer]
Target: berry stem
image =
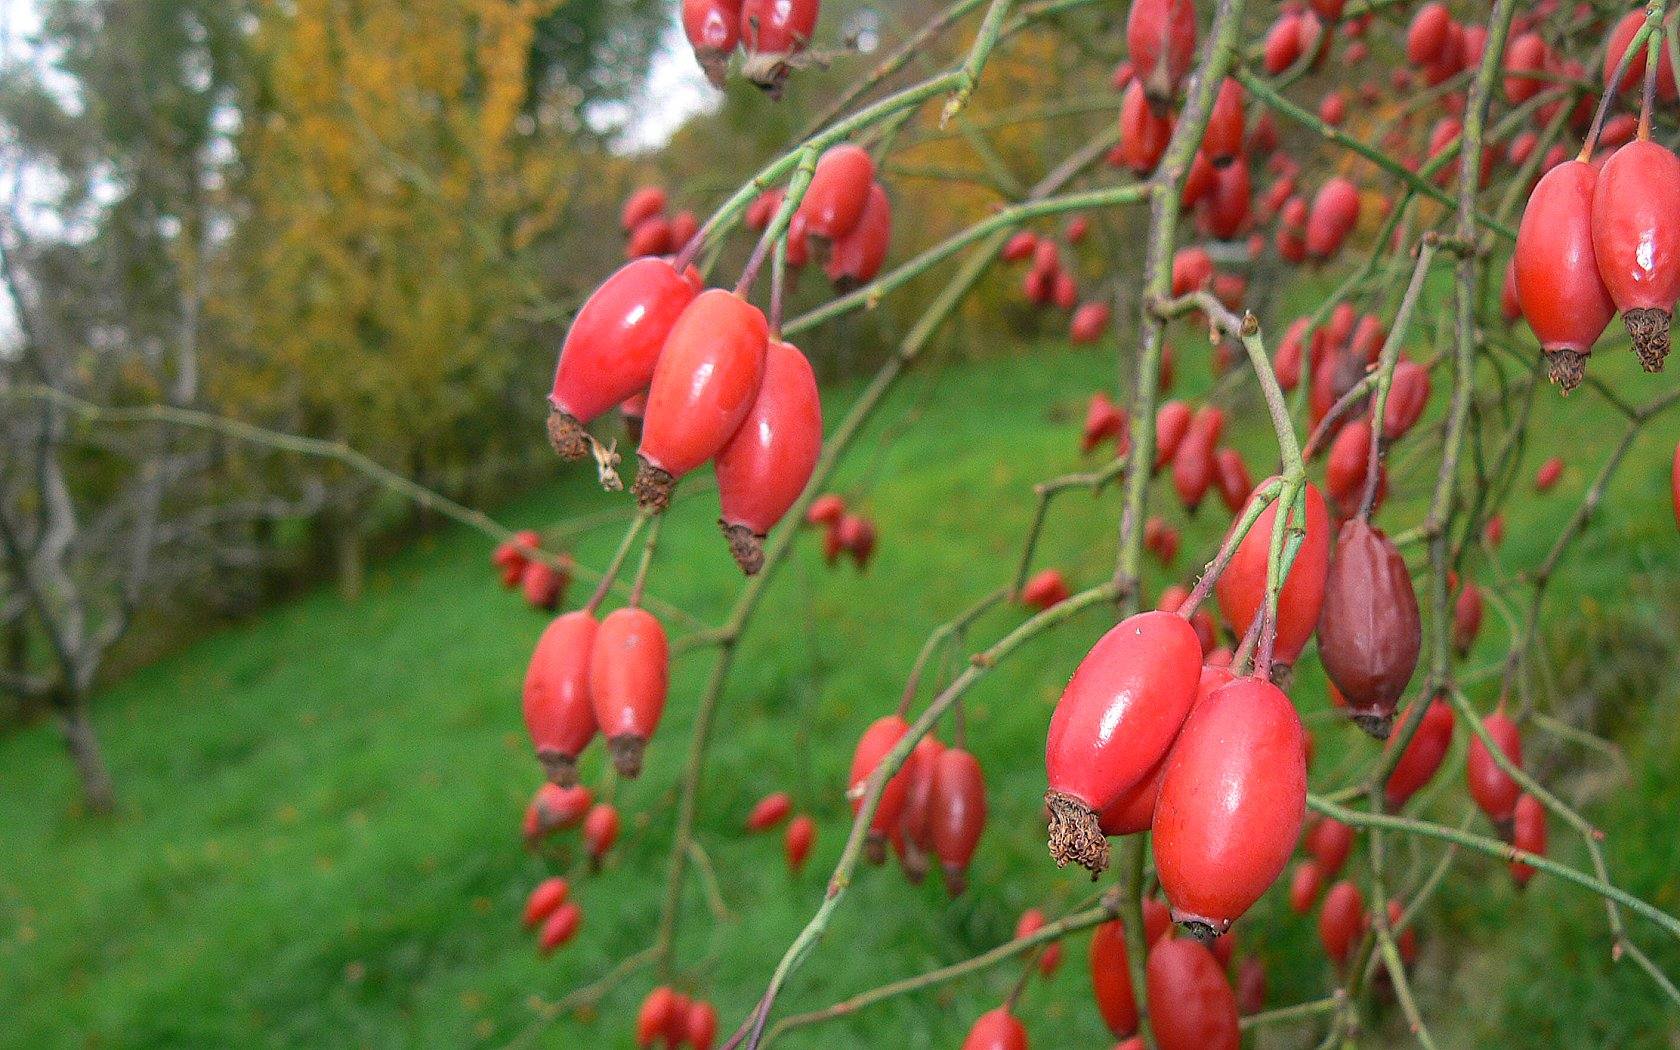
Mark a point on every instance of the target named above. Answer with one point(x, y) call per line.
point(617, 563)
point(1386, 361)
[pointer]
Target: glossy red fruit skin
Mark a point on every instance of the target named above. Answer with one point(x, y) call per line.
point(1161, 42)
point(1408, 396)
point(1133, 810)
point(560, 927)
point(1556, 268)
point(914, 836)
point(858, 254)
point(1427, 34)
point(772, 31)
point(713, 28)
point(881, 737)
point(957, 813)
point(1369, 628)
point(838, 192)
point(1231, 803)
point(641, 205)
point(654, 1016)
point(1423, 756)
point(549, 895)
point(1529, 834)
point(801, 835)
point(1303, 887)
point(600, 829)
point(1050, 956)
point(708, 376)
point(1172, 422)
point(1223, 140)
point(996, 1029)
point(629, 672)
point(613, 345)
point(1242, 588)
point(1118, 715)
point(770, 810)
point(1045, 590)
point(559, 714)
point(1111, 981)
point(1335, 210)
point(700, 1027)
point(1330, 841)
point(1143, 132)
point(1191, 1006)
point(1341, 921)
point(1636, 238)
point(1494, 791)
point(1620, 37)
point(767, 463)
point(1231, 475)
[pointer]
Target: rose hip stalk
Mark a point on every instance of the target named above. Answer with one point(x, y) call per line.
point(957, 813)
point(764, 467)
point(1231, 804)
point(1636, 240)
point(558, 711)
point(704, 386)
point(612, 347)
point(881, 737)
point(1369, 629)
point(1114, 721)
point(628, 676)
point(1557, 274)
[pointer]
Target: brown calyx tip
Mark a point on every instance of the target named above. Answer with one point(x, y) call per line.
point(746, 545)
point(875, 848)
point(652, 487)
point(626, 752)
point(914, 862)
point(768, 70)
point(567, 435)
point(1283, 675)
point(1566, 368)
point(1377, 723)
point(1075, 834)
point(561, 769)
point(1506, 829)
point(1648, 327)
point(715, 64)
point(956, 879)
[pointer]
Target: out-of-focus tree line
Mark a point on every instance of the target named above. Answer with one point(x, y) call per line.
point(364, 221)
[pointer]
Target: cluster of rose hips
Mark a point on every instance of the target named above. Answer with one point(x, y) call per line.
point(1050, 280)
point(934, 806)
point(552, 809)
point(667, 1016)
point(773, 35)
point(844, 532)
point(543, 585)
point(801, 833)
point(646, 228)
point(845, 211)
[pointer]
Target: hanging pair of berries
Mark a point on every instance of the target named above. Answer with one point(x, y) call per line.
point(647, 229)
point(510, 556)
point(1050, 957)
point(585, 675)
point(774, 34)
point(843, 533)
point(676, 1019)
point(1494, 790)
point(1161, 42)
point(848, 210)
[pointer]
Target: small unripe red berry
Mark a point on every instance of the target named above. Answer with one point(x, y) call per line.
point(560, 927)
point(1341, 921)
point(769, 811)
point(801, 834)
point(549, 895)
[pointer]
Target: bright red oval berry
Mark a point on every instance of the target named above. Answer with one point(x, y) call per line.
point(1242, 588)
point(913, 838)
point(704, 386)
point(642, 205)
point(957, 813)
point(1636, 241)
point(613, 346)
point(765, 466)
point(770, 810)
point(1427, 35)
point(858, 254)
point(654, 1016)
point(1525, 57)
point(1408, 396)
point(559, 714)
point(560, 927)
point(1467, 617)
point(1329, 842)
point(549, 895)
point(1193, 461)
point(1223, 140)
point(1133, 810)
point(543, 585)
point(772, 32)
point(1556, 270)
point(1529, 834)
point(1493, 789)
point(1341, 921)
point(1111, 980)
point(1369, 630)
point(1548, 474)
point(600, 830)
point(801, 835)
point(881, 737)
point(839, 190)
point(1335, 210)
point(1282, 46)
point(1172, 422)
point(1143, 132)
point(713, 28)
point(700, 1026)
point(1231, 476)
point(1089, 322)
point(554, 807)
point(1161, 42)
point(1045, 590)
point(1303, 887)
point(1422, 757)
point(1114, 721)
point(1191, 1006)
point(1620, 37)
point(1020, 246)
point(996, 1030)
point(1231, 803)
point(629, 672)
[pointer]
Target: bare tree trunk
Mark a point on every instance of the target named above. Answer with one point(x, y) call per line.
point(83, 745)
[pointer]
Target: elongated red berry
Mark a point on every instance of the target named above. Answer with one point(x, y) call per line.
point(1547, 476)
point(703, 388)
point(1050, 956)
point(1231, 803)
point(1334, 212)
point(1103, 420)
point(643, 204)
point(957, 813)
point(554, 807)
point(1088, 323)
point(773, 33)
point(1223, 140)
point(1422, 757)
point(558, 711)
point(1191, 1005)
point(549, 895)
point(1636, 241)
point(769, 811)
point(1242, 587)
point(765, 466)
point(600, 830)
point(1330, 842)
point(913, 838)
point(1161, 42)
point(629, 672)
point(1556, 269)
point(1428, 33)
point(713, 28)
point(1303, 886)
point(1045, 590)
point(653, 1019)
point(1021, 246)
point(839, 189)
point(1143, 131)
point(1251, 986)
point(1493, 789)
point(1528, 834)
point(996, 1030)
point(1133, 810)
point(700, 1026)
point(560, 927)
point(1193, 461)
point(881, 737)
point(1341, 921)
point(613, 345)
point(1114, 721)
point(1620, 37)
point(858, 254)
point(1172, 422)
point(1467, 617)
point(1232, 479)
point(543, 585)
point(676, 1023)
point(801, 835)
point(1111, 981)
point(1408, 396)
point(1369, 629)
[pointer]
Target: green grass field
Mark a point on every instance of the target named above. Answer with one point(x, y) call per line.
point(318, 846)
